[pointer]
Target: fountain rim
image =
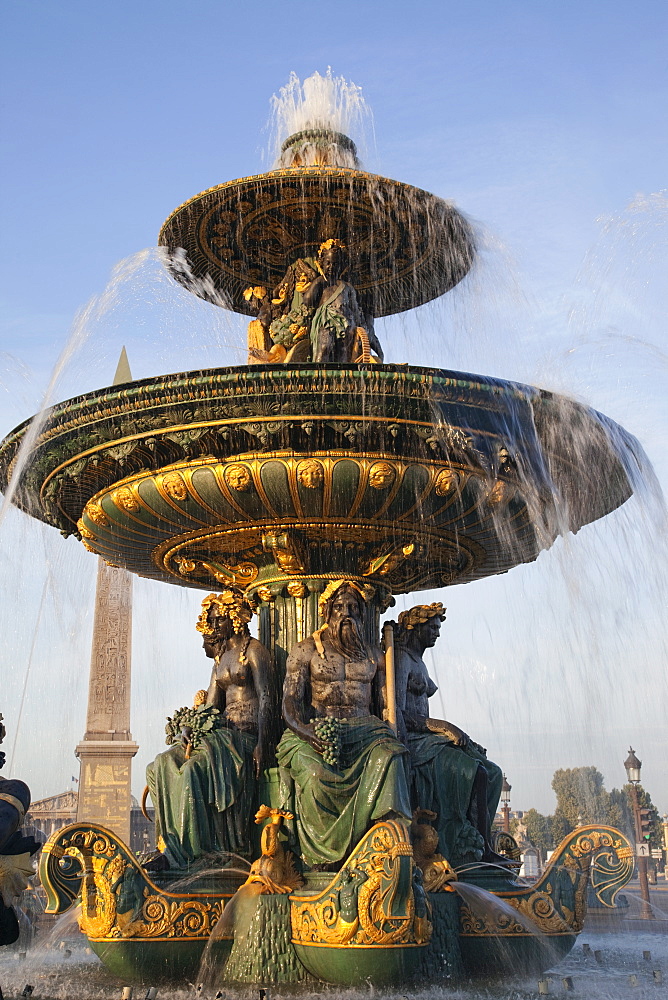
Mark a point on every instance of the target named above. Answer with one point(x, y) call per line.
point(407, 246)
point(438, 376)
point(311, 171)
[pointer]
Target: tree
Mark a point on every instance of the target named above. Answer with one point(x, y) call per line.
point(580, 795)
point(539, 830)
point(620, 812)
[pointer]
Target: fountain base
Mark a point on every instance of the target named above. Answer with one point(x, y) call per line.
point(383, 928)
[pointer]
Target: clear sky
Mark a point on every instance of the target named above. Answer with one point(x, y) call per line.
point(545, 123)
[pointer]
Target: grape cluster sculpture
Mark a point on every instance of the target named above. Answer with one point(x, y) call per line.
point(329, 732)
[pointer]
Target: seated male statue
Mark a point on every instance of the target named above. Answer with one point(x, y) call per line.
point(450, 774)
point(347, 768)
point(205, 798)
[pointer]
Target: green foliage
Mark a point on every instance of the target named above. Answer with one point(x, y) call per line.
point(539, 830)
point(620, 812)
point(581, 795)
point(201, 720)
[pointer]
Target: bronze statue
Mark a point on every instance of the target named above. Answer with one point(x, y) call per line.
point(341, 331)
point(240, 678)
point(450, 774)
point(205, 794)
point(16, 849)
point(312, 315)
point(347, 767)
point(261, 349)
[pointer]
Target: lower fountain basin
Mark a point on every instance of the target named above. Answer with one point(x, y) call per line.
point(409, 477)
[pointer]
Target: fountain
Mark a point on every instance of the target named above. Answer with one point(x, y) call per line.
point(310, 486)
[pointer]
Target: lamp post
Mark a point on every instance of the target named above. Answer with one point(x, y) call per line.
point(633, 765)
point(505, 804)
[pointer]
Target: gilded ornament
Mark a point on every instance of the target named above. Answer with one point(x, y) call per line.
point(373, 900)
point(497, 494)
point(238, 477)
point(118, 900)
point(420, 614)
point(125, 498)
point(175, 487)
point(186, 566)
point(230, 604)
point(437, 873)
point(296, 589)
point(381, 475)
point(85, 532)
point(265, 594)
point(446, 481)
point(310, 474)
point(96, 514)
point(557, 903)
point(275, 871)
point(285, 549)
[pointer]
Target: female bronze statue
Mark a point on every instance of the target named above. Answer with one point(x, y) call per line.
point(450, 774)
point(205, 795)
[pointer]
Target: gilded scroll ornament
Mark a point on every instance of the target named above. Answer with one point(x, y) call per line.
point(373, 900)
point(557, 903)
point(118, 900)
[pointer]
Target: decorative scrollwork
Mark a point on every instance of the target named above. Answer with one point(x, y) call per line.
point(118, 900)
point(374, 900)
point(557, 903)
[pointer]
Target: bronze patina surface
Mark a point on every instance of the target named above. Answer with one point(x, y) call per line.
point(407, 246)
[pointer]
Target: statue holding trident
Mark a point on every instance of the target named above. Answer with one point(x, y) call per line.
point(346, 767)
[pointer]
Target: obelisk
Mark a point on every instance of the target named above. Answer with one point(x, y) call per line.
point(107, 748)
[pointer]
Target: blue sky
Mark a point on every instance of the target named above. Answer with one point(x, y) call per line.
point(545, 123)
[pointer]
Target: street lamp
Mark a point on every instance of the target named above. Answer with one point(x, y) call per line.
point(633, 765)
point(505, 804)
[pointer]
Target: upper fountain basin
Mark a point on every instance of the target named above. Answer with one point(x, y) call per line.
point(406, 246)
point(412, 477)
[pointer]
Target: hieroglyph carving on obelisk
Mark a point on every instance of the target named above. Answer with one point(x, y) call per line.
point(107, 748)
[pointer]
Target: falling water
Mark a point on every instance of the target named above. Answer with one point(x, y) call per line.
point(555, 633)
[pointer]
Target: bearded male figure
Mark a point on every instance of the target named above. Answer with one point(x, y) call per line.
point(450, 774)
point(205, 797)
point(334, 681)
